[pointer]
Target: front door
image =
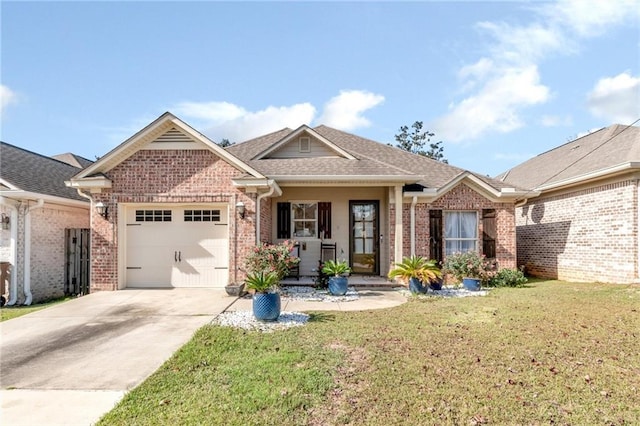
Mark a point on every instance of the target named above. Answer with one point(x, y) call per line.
point(365, 253)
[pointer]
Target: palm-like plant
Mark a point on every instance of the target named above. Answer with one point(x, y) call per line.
point(262, 282)
point(416, 267)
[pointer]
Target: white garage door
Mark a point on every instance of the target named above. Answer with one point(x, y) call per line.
point(169, 246)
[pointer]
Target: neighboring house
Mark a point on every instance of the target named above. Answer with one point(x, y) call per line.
point(180, 211)
point(579, 221)
point(41, 216)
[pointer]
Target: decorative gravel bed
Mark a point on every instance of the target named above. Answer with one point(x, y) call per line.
point(447, 292)
point(245, 319)
point(310, 294)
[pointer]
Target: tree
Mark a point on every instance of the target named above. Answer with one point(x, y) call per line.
point(225, 143)
point(416, 141)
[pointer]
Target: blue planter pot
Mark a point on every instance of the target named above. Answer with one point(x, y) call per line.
point(471, 284)
point(415, 286)
point(338, 285)
point(266, 306)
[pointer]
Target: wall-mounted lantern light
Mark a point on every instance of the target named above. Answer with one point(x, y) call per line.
point(240, 209)
point(102, 209)
point(6, 222)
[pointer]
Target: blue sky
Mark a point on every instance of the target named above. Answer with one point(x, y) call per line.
point(498, 82)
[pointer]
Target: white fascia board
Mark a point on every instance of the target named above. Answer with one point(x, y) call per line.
point(149, 133)
point(89, 182)
point(347, 178)
point(252, 182)
point(584, 178)
point(8, 185)
point(34, 196)
point(302, 129)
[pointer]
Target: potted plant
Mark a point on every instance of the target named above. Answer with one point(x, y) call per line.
point(266, 299)
point(470, 268)
point(266, 265)
point(337, 272)
point(416, 272)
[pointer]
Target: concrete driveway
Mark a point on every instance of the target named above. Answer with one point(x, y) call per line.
point(71, 363)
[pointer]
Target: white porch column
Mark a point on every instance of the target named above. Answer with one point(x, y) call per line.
point(398, 224)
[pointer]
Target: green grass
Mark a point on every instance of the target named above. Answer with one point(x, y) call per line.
point(10, 312)
point(549, 353)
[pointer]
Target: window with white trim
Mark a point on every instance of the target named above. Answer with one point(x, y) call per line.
point(304, 219)
point(153, 215)
point(304, 144)
point(460, 232)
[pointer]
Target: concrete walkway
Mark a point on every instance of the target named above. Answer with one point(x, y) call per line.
point(71, 363)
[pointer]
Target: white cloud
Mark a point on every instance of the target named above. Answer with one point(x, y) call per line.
point(497, 87)
point(344, 111)
point(252, 124)
point(495, 107)
point(226, 120)
point(7, 97)
point(556, 120)
point(616, 98)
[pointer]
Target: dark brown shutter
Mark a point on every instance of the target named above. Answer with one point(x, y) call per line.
point(489, 233)
point(324, 220)
point(435, 234)
point(284, 220)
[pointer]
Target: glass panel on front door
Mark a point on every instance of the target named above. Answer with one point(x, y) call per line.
point(364, 237)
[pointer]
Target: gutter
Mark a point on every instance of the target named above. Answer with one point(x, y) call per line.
point(274, 188)
point(27, 252)
point(13, 255)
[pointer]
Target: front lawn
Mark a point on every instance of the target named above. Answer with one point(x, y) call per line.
point(10, 312)
point(549, 353)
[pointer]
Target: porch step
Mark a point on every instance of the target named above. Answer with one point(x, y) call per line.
point(358, 281)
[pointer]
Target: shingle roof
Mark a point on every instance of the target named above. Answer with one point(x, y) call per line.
point(372, 159)
point(597, 151)
point(73, 160)
point(36, 173)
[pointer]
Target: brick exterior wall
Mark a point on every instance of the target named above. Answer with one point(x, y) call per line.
point(170, 176)
point(48, 251)
point(585, 235)
point(461, 197)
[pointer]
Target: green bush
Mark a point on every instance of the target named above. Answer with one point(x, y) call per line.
point(508, 278)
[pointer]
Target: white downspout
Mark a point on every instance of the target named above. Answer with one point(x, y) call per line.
point(27, 251)
point(414, 201)
point(13, 255)
point(274, 189)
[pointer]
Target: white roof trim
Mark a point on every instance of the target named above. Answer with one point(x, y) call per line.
point(494, 194)
point(156, 128)
point(584, 178)
point(34, 196)
point(300, 130)
point(343, 178)
point(89, 182)
point(8, 184)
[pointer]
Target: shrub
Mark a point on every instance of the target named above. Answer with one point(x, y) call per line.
point(470, 264)
point(508, 278)
point(276, 258)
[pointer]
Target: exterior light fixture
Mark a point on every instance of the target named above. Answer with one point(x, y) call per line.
point(102, 209)
point(240, 209)
point(5, 221)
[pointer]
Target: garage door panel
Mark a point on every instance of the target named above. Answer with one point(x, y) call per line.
point(179, 252)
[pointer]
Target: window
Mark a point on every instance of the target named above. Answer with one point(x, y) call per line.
point(153, 215)
point(460, 232)
point(305, 219)
point(202, 215)
point(304, 144)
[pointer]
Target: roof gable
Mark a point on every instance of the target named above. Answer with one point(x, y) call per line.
point(608, 151)
point(292, 146)
point(166, 132)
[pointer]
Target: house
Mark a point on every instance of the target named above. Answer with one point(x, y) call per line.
point(172, 208)
point(45, 226)
point(579, 221)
